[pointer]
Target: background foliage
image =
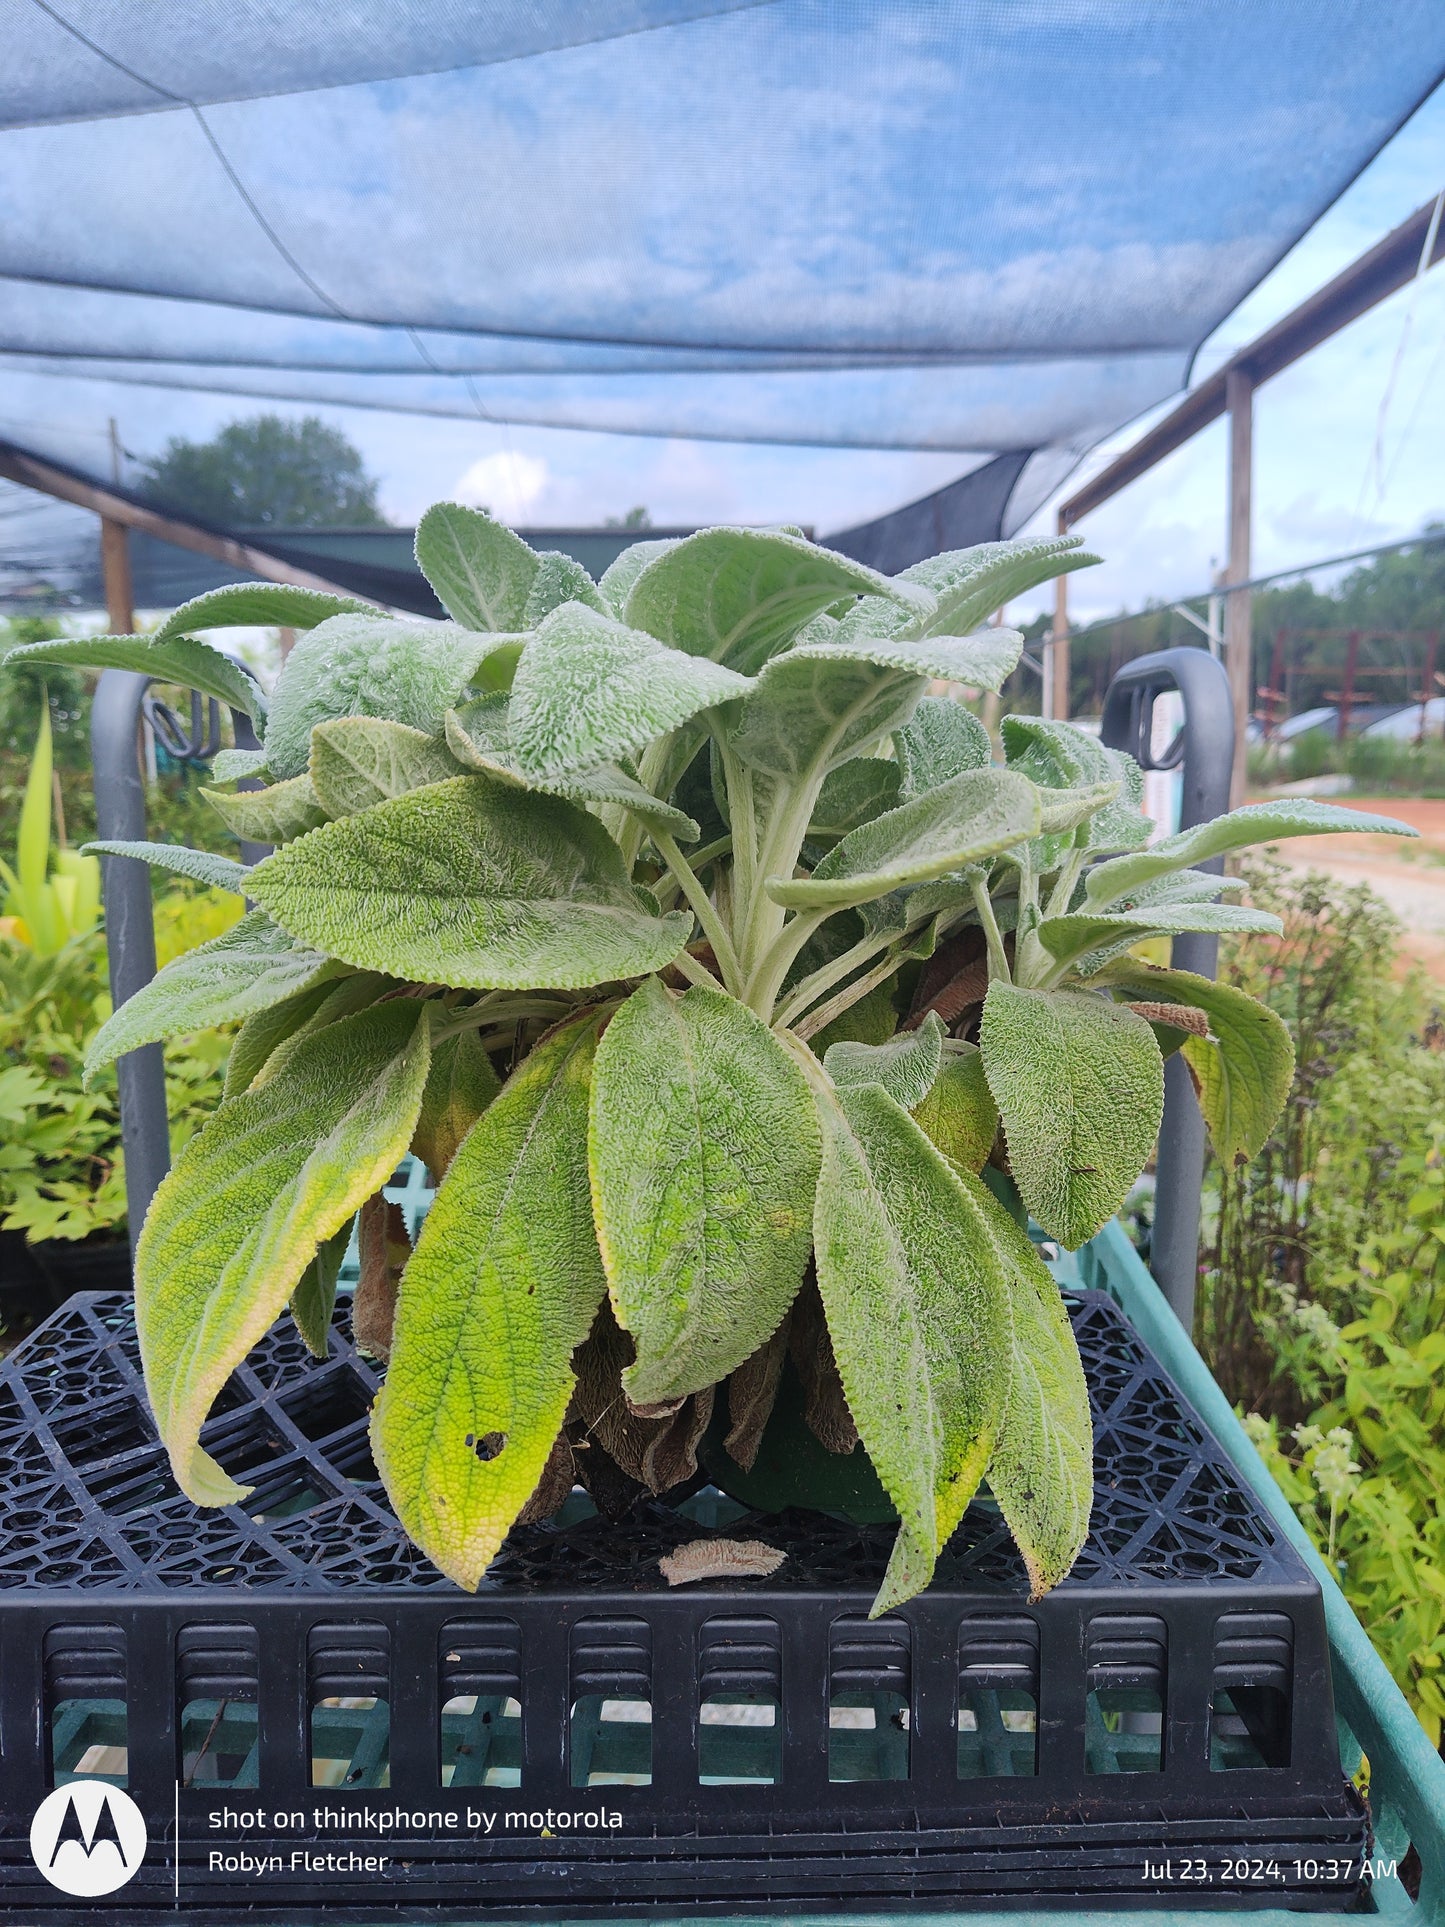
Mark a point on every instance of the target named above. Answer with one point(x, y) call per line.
point(1323, 1294)
point(267, 472)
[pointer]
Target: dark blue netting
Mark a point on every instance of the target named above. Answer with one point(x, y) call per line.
point(984, 226)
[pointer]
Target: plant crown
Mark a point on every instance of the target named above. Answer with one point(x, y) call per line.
point(705, 959)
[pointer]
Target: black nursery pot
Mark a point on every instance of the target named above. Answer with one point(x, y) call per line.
point(82, 1264)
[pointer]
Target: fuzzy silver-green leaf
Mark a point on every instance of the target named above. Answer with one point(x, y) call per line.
point(1079, 1084)
point(588, 690)
point(357, 761)
point(408, 672)
point(204, 866)
point(276, 814)
point(1255, 823)
point(482, 573)
point(473, 884)
point(973, 816)
point(905, 1065)
point(740, 595)
point(246, 969)
point(703, 1145)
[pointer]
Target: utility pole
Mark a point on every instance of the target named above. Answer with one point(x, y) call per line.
point(1239, 405)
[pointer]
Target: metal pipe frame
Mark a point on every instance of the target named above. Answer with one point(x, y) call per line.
point(1205, 749)
point(120, 815)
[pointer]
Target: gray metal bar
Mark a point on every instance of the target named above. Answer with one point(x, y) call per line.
point(1205, 749)
point(120, 815)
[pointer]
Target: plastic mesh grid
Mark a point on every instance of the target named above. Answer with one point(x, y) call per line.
point(87, 1498)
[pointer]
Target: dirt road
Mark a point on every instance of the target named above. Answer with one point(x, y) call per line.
point(1408, 874)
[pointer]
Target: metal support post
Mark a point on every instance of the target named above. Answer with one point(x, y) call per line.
point(120, 815)
point(1205, 749)
point(1238, 650)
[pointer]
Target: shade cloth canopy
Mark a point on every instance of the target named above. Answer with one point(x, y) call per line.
point(995, 227)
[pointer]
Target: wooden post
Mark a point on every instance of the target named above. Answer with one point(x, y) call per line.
point(1427, 682)
point(1239, 400)
point(115, 573)
point(1056, 656)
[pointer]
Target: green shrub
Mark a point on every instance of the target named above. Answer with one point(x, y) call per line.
point(62, 1171)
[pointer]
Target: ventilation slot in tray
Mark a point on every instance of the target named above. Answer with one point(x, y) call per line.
point(217, 1686)
point(611, 1724)
point(85, 1704)
point(347, 1668)
point(870, 1689)
point(1249, 1712)
point(1126, 1658)
point(481, 1701)
point(740, 1702)
point(998, 1698)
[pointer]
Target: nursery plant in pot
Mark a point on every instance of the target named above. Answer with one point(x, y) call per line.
point(707, 961)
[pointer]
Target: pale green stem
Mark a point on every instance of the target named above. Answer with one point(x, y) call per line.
point(782, 845)
point(695, 972)
point(849, 995)
point(997, 957)
point(823, 979)
point(667, 889)
point(650, 766)
point(507, 1011)
point(703, 909)
point(1062, 894)
point(767, 979)
point(739, 785)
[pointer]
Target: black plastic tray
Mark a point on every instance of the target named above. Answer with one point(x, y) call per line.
point(1159, 1730)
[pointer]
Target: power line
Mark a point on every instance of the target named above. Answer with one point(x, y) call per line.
point(1262, 581)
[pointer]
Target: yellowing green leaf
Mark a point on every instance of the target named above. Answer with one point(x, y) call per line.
point(266, 1029)
point(1079, 1083)
point(1042, 1469)
point(474, 884)
point(503, 1286)
point(274, 1174)
point(461, 1085)
point(1242, 1070)
point(247, 968)
point(703, 1144)
point(315, 1294)
point(905, 1065)
point(917, 1310)
point(958, 1114)
point(357, 761)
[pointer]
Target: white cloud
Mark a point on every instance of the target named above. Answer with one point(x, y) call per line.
point(508, 483)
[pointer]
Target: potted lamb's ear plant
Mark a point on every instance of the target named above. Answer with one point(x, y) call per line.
point(707, 962)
